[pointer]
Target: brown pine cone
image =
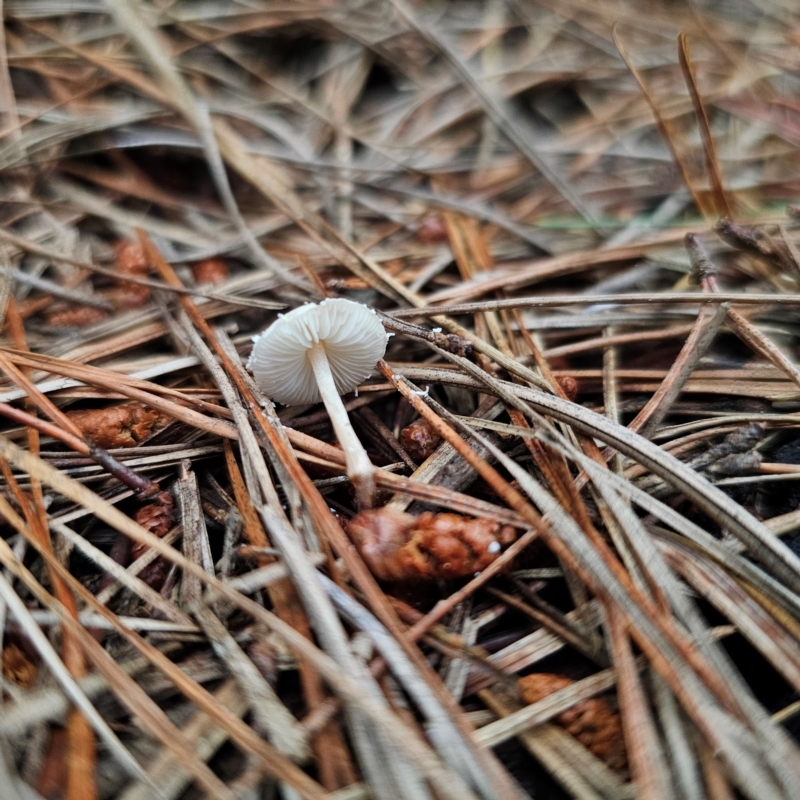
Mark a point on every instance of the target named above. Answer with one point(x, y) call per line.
point(593, 722)
point(398, 546)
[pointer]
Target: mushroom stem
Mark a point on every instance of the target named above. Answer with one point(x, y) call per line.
point(359, 468)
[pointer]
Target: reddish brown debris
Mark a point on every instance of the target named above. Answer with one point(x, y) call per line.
point(593, 722)
point(53, 773)
point(158, 518)
point(210, 270)
point(432, 229)
point(397, 546)
point(17, 667)
point(569, 386)
point(419, 440)
point(77, 317)
point(130, 258)
point(127, 296)
point(125, 425)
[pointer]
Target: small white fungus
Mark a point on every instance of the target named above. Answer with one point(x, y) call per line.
point(353, 338)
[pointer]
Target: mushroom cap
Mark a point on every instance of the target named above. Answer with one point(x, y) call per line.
point(353, 337)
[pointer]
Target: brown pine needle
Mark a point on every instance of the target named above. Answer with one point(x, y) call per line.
point(583, 437)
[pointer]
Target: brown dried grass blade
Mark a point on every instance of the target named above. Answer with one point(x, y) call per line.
point(664, 130)
point(404, 737)
point(649, 771)
point(723, 206)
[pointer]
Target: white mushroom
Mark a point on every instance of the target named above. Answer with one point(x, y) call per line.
point(319, 352)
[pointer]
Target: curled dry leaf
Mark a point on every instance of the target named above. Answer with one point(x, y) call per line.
point(398, 546)
point(125, 425)
point(593, 722)
point(210, 270)
point(17, 667)
point(419, 440)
